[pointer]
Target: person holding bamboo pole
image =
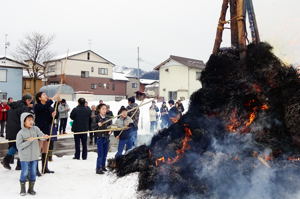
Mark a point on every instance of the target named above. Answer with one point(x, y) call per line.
point(102, 138)
point(44, 114)
point(29, 151)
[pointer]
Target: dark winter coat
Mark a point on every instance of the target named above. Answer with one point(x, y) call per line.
point(136, 113)
point(43, 116)
point(13, 125)
point(110, 114)
point(180, 108)
point(105, 126)
point(93, 125)
point(81, 116)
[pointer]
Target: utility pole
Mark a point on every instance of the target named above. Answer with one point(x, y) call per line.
point(138, 62)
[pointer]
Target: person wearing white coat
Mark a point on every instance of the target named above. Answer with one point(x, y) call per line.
point(153, 115)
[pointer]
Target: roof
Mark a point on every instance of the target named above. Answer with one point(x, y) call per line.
point(119, 76)
point(12, 60)
point(65, 55)
point(193, 63)
point(148, 81)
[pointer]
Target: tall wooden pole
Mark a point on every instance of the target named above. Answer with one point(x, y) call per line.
point(252, 21)
point(241, 28)
point(233, 24)
point(220, 28)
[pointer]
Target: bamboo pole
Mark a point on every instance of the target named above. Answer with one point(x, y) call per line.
point(233, 24)
point(133, 115)
point(72, 133)
point(53, 116)
point(220, 28)
point(241, 28)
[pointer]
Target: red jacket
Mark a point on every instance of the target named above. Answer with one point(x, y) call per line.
point(3, 112)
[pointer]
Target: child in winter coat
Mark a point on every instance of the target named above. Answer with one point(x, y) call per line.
point(124, 136)
point(29, 151)
point(102, 138)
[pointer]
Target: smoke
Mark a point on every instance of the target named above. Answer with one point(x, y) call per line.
point(236, 138)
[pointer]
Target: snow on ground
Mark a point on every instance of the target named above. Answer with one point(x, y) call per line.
point(72, 179)
point(77, 179)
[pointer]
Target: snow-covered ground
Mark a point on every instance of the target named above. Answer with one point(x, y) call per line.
point(72, 179)
point(77, 179)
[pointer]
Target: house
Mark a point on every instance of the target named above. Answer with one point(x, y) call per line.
point(152, 90)
point(28, 82)
point(86, 72)
point(179, 77)
point(145, 82)
point(11, 76)
point(133, 85)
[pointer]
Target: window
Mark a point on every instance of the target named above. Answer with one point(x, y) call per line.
point(92, 69)
point(113, 87)
point(3, 75)
point(103, 71)
point(172, 95)
point(93, 86)
point(134, 85)
point(198, 75)
point(84, 74)
point(3, 96)
point(105, 85)
point(51, 68)
point(27, 84)
point(88, 56)
point(100, 85)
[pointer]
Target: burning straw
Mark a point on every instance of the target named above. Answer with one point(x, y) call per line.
point(243, 107)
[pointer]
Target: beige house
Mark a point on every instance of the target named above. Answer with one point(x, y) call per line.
point(86, 72)
point(179, 77)
point(133, 85)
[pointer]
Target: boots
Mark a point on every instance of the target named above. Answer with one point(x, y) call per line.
point(18, 167)
point(6, 160)
point(50, 156)
point(12, 161)
point(30, 188)
point(23, 188)
point(38, 173)
point(44, 161)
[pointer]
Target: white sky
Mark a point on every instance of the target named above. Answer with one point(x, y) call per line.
point(159, 27)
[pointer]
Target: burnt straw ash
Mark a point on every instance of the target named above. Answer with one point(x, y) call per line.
point(239, 138)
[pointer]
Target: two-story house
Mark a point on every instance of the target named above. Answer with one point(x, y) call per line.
point(86, 72)
point(179, 77)
point(11, 75)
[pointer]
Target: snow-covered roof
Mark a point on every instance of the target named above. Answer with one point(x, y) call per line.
point(119, 76)
point(70, 54)
point(155, 85)
point(62, 56)
point(148, 81)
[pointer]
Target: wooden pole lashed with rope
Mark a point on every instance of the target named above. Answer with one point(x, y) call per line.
point(54, 115)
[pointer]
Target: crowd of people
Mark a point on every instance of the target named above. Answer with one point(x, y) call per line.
point(26, 121)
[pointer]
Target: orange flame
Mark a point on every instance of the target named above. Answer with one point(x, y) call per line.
point(179, 152)
point(234, 123)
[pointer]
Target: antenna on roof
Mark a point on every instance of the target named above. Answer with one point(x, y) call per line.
point(90, 44)
point(6, 44)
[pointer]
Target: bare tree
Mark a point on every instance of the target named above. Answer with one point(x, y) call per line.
point(34, 49)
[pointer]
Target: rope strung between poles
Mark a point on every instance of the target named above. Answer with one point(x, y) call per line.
point(114, 129)
point(77, 133)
